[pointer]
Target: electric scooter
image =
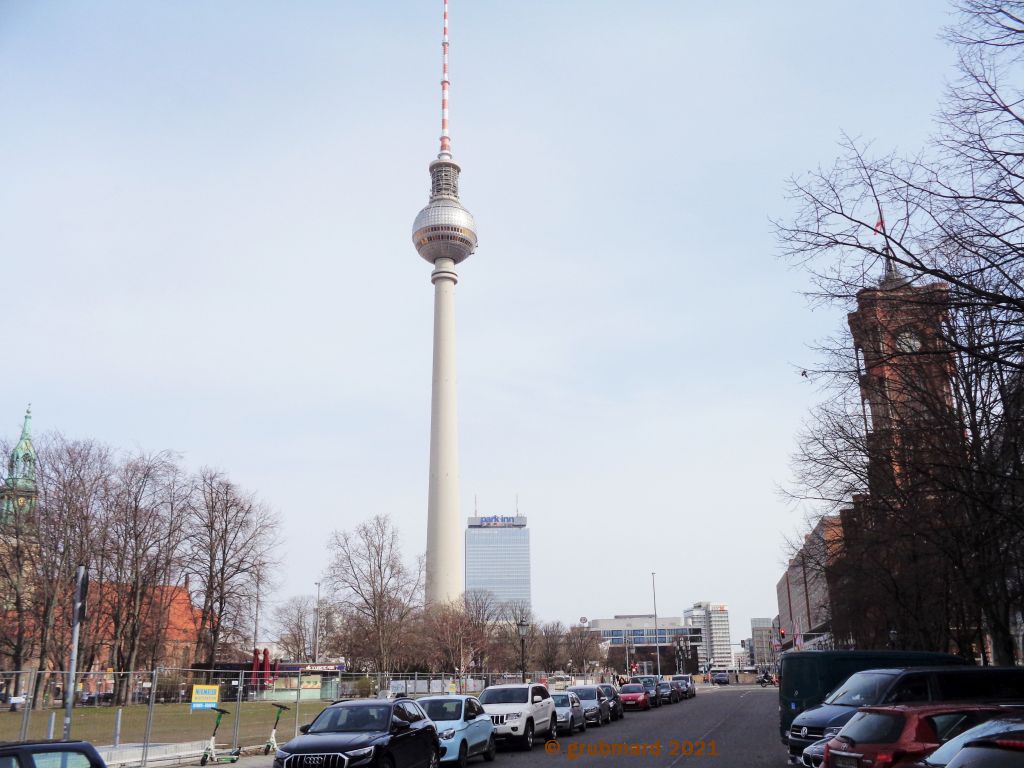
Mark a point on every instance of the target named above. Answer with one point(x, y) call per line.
point(210, 753)
point(272, 741)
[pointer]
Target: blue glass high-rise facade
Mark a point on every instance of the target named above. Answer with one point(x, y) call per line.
point(498, 557)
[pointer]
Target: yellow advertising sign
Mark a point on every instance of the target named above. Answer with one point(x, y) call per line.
point(204, 696)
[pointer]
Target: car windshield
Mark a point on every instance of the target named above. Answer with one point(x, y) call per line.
point(560, 699)
point(443, 709)
point(504, 696)
point(585, 693)
point(362, 717)
point(664, 685)
point(632, 688)
point(946, 752)
point(860, 689)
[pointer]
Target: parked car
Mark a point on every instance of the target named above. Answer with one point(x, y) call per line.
point(569, 712)
point(875, 734)
point(720, 678)
point(807, 677)
point(520, 712)
point(903, 686)
point(365, 732)
point(667, 693)
point(1003, 722)
point(1003, 751)
point(596, 707)
point(610, 691)
point(26, 754)
point(814, 754)
point(687, 680)
point(463, 727)
point(680, 689)
point(635, 696)
point(650, 682)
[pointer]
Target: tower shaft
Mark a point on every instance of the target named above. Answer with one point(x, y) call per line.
point(445, 559)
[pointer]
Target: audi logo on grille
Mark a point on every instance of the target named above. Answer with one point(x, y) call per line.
point(315, 760)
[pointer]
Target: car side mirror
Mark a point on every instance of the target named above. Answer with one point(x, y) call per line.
point(304, 728)
point(538, 699)
point(398, 724)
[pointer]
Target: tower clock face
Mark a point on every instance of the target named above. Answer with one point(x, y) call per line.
point(908, 341)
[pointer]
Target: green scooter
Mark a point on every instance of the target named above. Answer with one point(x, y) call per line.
point(272, 741)
point(210, 753)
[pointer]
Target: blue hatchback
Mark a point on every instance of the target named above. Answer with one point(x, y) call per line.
point(463, 726)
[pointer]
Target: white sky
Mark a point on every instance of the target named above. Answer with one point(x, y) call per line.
point(205, 227)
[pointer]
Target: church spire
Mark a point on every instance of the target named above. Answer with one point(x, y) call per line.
point(21, 468)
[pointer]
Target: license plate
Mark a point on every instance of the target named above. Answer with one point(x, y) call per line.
point(842, 761)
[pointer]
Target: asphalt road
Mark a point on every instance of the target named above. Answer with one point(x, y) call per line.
point(733, 727)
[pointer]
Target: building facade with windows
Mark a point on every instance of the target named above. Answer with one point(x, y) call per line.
point(713, 620)
point(498, 558)
point(761, 636)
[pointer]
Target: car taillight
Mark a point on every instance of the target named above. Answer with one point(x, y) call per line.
point(886, 759)
point(1010, 743)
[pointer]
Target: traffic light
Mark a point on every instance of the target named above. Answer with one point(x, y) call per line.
point(782, 633)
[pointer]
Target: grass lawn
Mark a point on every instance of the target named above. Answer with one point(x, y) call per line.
point(171, 723)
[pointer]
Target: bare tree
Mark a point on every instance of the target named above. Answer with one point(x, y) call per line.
point(372, 581)
point(294, 620)
point(550, 645)
point(230, 540)
point(582, 647)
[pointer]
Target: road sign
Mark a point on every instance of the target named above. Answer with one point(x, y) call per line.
point(583, 619)
point(204, 696)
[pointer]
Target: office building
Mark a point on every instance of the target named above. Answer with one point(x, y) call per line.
point(498, 557)
point(713, 619)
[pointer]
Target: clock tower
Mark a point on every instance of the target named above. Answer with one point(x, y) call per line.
point(18, 493)
point(905, 370)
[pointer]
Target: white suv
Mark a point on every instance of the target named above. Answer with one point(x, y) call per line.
point(520, 712)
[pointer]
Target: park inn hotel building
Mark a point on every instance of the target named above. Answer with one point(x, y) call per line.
point(498, 558)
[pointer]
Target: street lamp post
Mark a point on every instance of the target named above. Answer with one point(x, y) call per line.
point(524, 627)
point(657, 648)
point(316, 626)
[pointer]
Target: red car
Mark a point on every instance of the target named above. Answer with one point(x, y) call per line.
point(634, 696)
point(880, 737)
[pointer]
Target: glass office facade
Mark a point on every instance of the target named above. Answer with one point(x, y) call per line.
point(498, 557)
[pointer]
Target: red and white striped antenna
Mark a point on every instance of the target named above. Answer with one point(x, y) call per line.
point(446, 142)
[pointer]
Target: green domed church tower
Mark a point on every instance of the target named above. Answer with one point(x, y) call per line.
point(19, 491)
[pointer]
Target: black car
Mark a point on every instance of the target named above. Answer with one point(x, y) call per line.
point(612, 695)
point(365, 733)
point(27, 754)
point(666, 693)
point(1004, 751)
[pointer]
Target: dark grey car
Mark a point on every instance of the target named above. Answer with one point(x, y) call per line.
point(618, 710)
point(596, 707)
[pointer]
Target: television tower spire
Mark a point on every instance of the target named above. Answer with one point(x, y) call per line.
point(444, 234)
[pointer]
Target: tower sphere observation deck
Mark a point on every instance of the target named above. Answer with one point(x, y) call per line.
point(444, 229)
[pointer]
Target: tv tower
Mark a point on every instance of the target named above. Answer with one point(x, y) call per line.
point(444, 234)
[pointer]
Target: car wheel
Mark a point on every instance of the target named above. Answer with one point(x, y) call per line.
point(435, 758)
point(387, 762)
point(463, 757)
point(492, 750)
point(583, 725)
point(614, 715)
point(527, 742)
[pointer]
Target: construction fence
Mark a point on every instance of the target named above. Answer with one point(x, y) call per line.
point(169, 715)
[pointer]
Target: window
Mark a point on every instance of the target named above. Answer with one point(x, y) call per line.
point(9, 761)
point(445, 709)
point(541, 691)
point(61, 760)
point(874, 728)
point(412, 712)
point(910, 688)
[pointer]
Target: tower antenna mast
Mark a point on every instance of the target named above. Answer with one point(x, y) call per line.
point(446, 142)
